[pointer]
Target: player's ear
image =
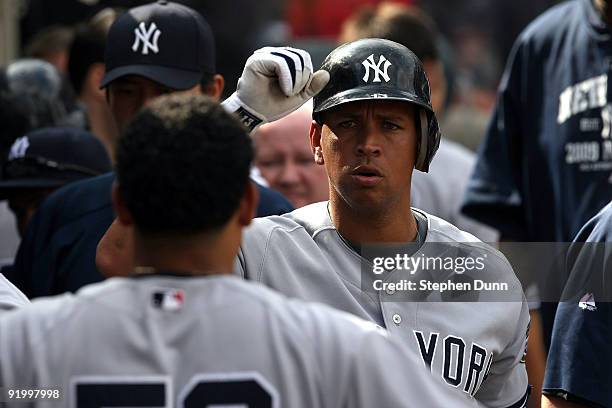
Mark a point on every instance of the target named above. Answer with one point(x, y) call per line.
point(248, 205)
point(215, 88)
point(94, 77)
point(123, 214)
point(315, 142)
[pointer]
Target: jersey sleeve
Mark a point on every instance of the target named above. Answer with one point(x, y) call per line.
point(25, 335)
point(505, 383)
point(256, 243)
point(579, 359)
point(493, 195)
point(255, 240)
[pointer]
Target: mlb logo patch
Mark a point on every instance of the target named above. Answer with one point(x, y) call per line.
point(587, 302)
point(169, 299)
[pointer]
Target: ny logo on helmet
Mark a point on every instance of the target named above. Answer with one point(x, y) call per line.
point(143, 35)
point(369, 63)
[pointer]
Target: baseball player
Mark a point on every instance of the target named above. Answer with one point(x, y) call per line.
point(438, 192)
point(373, 125)
point(184, 332)
point(579, 360)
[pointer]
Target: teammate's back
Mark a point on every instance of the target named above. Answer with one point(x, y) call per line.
point(210, 341)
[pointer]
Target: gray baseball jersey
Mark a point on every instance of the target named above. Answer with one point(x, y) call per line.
point(10, 296)
point(9, 234)
point(474, 341)
point(169, 341)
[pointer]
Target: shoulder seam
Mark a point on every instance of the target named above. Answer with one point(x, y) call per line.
point(265, 251)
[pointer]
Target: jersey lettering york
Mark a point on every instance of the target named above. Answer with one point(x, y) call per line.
point(460, 367)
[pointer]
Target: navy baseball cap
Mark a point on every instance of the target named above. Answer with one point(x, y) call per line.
point(50, 158)
point(165, 42)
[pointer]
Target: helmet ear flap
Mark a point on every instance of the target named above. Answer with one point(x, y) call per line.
point(421, 126)
point(429, 139)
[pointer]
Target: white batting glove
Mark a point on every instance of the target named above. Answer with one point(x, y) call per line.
point(275, 82)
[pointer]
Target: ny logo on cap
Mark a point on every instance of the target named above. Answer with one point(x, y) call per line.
point(19, 148)
point(369, 63)
point(144, 35)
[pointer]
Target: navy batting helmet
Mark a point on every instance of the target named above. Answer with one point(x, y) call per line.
point(379, 69)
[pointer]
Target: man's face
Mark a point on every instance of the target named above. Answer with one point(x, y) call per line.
point(285, 160)
point(128, 94)
point(368, 149)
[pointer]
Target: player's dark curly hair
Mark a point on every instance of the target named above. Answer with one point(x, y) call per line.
point(183, 166)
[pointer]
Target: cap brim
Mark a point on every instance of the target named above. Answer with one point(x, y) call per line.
point(174, 78)
point(376, 92)
point(8, 188)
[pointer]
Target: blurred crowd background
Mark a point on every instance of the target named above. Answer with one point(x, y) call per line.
point(472, 39)
point(475, 36)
